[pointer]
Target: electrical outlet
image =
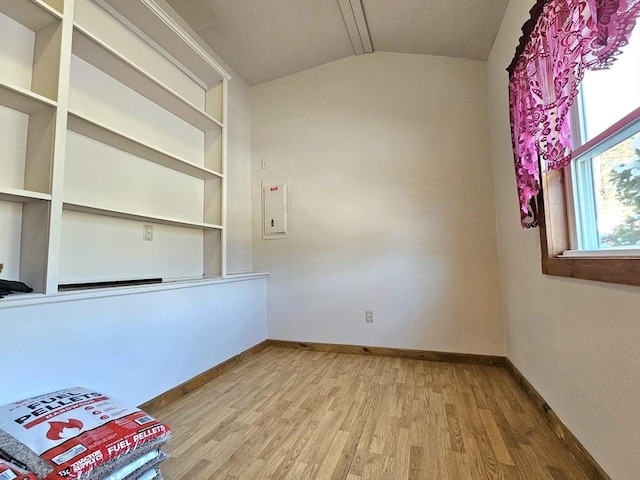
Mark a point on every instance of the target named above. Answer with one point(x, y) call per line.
point(147, 233)
point(368, 316)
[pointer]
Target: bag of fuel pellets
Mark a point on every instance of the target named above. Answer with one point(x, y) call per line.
point(9, 471)
point(79, 433)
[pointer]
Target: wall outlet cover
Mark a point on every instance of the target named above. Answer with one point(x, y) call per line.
point(147, 233)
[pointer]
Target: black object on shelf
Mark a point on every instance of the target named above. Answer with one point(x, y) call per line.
point(9, 286)
point(116, 283)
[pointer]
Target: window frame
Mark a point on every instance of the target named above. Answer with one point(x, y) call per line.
point(554, 227)
point(580, 174)
point(557, 216)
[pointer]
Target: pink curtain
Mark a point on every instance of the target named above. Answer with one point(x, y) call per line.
point(562, 38)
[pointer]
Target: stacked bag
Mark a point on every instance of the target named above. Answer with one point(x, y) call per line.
point(79, 433)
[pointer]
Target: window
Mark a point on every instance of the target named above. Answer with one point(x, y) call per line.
point(604, 186)
point(578, 170)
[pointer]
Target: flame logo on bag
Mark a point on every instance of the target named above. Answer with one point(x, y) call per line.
point(56, 430)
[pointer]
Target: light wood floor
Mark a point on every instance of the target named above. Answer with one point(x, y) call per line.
point(290, 414)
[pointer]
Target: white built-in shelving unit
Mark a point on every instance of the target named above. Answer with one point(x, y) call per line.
point(113, 120)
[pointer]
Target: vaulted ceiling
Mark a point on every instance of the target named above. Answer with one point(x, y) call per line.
point(267, 39)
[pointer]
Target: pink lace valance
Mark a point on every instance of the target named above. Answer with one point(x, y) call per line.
point(562, 38)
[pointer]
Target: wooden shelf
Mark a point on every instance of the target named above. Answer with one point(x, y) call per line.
point(23, 100)
point(35, 15)
point(97, 210)
point(100, 55)
point(93, 129)
point(22, 196)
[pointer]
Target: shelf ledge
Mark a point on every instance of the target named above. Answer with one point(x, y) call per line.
point(22, 196)
point(23, 100)
point(34, 15)
point(92, 129)
point(101, 56)
point(24, 299)
point(96, 210)
point(150, 17)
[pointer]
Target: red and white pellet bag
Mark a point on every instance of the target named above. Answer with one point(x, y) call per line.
point(9, 471)
point(76, 433)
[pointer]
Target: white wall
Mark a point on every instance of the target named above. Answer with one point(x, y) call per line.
point(576, 341)
point(133, 346)
point(239, 178)
point(391, 204)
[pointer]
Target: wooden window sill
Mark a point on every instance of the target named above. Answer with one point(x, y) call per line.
point(622, 270)
point(554, 240)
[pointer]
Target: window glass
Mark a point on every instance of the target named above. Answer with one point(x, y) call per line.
point(606, 181)
point(611, 94)
point(606, 178)
point(621, 227)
